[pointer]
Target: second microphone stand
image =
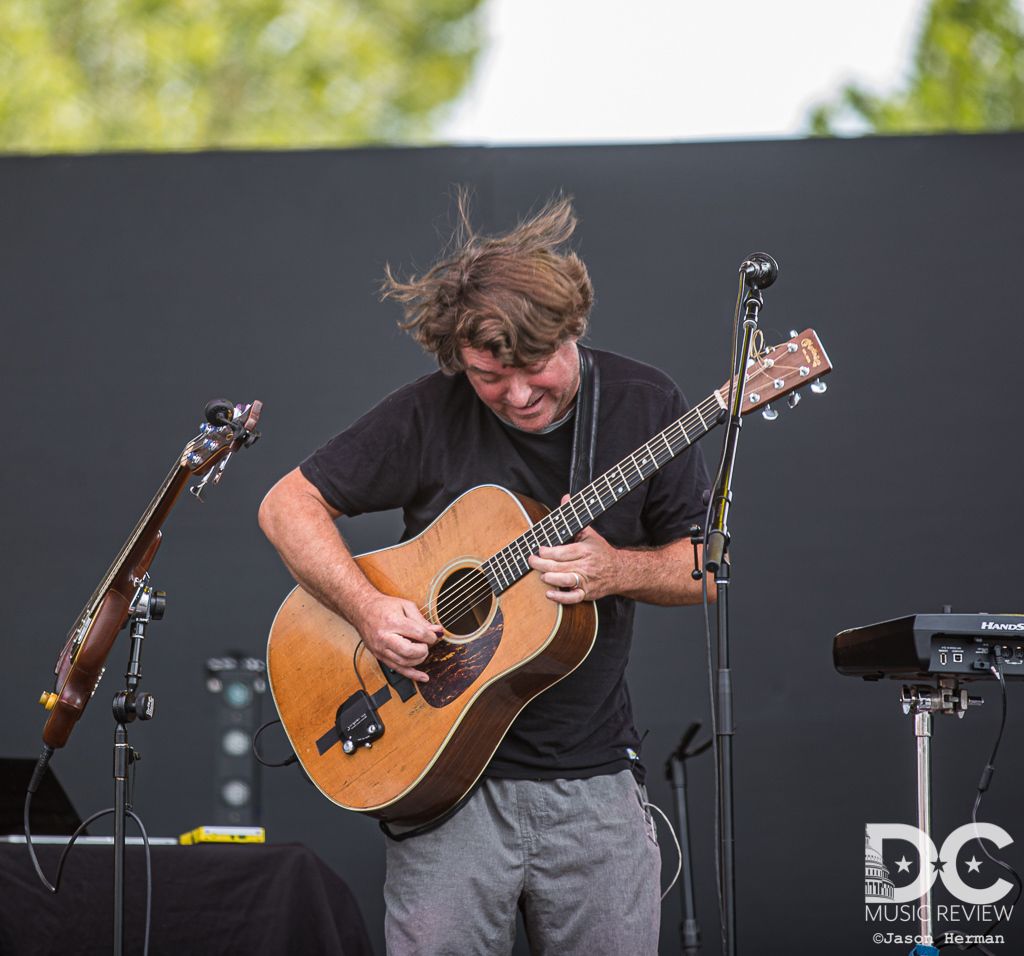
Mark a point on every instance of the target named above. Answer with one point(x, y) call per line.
point(759, 275)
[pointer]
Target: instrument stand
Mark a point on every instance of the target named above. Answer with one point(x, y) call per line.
point(128, 705)
point(921, 701)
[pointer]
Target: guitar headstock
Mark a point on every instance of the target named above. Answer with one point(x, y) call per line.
point(781, 370)
point(229, 427)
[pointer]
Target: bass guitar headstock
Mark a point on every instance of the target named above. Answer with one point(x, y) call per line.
point(226, 429)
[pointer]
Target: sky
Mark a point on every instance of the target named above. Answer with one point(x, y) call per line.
point(575, 71)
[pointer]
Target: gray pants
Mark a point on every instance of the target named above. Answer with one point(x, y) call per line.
point(579, 857)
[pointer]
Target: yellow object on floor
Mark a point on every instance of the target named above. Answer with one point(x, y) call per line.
point(224, 835)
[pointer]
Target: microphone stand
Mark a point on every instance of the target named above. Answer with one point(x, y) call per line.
point(675, 772)
point(760, 271)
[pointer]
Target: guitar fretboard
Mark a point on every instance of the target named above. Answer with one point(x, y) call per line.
point(509, 565)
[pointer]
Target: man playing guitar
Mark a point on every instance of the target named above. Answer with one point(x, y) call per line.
point(557, 827)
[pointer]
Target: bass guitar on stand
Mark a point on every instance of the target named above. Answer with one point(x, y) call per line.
point(82, 660)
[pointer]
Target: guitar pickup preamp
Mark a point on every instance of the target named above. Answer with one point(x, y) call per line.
point(356, 724)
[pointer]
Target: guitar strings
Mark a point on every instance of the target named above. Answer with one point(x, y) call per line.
point(473, 592)
point(474, 588)
point(477, 589)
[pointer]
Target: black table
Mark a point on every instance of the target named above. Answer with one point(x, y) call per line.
point(207, 899)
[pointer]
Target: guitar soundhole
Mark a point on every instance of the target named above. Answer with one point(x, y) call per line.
point(464, 601)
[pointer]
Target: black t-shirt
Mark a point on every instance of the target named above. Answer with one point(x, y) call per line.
point(432, 440)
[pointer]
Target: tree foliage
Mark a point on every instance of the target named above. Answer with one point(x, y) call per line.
point(85, 75)
point(967, 76)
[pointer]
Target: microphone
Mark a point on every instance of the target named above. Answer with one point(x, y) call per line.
point(760, 269)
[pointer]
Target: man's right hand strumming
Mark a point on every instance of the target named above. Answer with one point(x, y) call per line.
point(396, 633)
point(300, 523)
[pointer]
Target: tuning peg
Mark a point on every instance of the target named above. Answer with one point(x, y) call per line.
point(819, 387)
point(793, 400)
point(793, 333)
point(769, 414)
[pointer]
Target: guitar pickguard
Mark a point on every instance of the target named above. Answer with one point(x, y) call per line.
point(453, 667)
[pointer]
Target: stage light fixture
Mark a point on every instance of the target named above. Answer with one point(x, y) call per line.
point(237, 682)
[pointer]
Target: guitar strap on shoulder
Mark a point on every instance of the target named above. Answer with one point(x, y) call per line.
point(584, 438)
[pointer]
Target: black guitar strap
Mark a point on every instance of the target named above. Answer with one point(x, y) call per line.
point(584, 438)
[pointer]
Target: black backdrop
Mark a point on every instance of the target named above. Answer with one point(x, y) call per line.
point(137, 287)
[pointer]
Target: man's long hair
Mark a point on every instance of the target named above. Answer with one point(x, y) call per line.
point(516, 295)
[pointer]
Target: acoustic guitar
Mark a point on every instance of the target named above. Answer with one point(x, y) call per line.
point(82, 660)
point(405, 752)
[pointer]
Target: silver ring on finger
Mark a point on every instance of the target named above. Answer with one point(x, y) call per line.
point(576, 586)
